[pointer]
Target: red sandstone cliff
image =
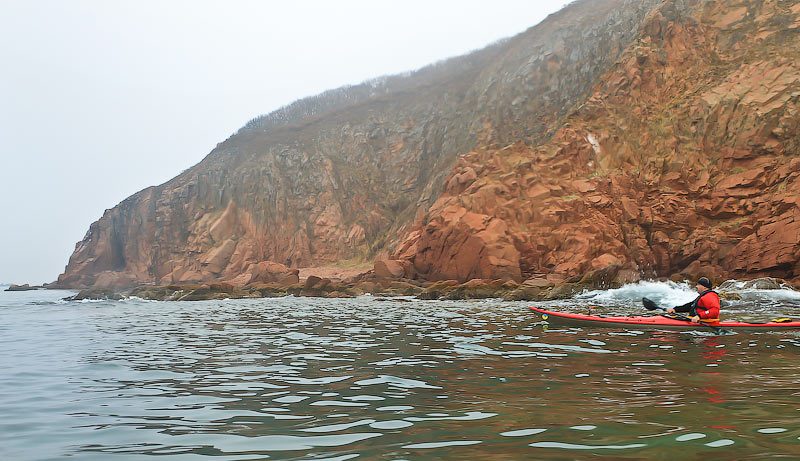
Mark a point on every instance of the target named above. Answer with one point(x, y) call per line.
point(686, 158)
point(658, 135)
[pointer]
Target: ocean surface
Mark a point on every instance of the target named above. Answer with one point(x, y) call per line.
point(377, 378)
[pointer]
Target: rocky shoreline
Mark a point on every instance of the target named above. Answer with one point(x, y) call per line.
point(540, 288)
point(662, 136)
point(24, 287)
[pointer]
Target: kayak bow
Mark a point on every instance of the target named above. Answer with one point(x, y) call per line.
point(661, 322)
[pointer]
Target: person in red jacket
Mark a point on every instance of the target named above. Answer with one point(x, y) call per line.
point(705, 307)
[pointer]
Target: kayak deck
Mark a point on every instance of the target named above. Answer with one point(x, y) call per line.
point(660, 322)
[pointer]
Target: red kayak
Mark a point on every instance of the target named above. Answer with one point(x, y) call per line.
point(660, 322)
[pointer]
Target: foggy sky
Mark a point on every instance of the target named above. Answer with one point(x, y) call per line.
point(100, 99)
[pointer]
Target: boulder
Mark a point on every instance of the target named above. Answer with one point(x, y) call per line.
point(479, 289)
point(267, 272)
point(601, 279)
point(605, 260)
point(764, 283)
point(627, 275)
point(311, 281)
point(95, 293)
point(401, 288)
point(564, 291)
point(221, 287)
point(437, 289)
point(23, 287)
point(114, 279)
point(527, 293)
point(730, 296)
point(537, 282)
point(389, 269)
point(217, 259)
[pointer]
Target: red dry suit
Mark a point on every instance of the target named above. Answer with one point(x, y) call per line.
point(706, 306)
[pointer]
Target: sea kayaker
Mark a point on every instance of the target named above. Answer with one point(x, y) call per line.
point(705, 307)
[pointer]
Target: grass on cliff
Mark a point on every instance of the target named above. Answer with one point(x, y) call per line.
point(353, 263)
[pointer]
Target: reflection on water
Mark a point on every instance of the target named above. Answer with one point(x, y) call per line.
point(307, 378)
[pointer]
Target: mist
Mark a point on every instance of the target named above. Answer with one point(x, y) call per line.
point(103, 99)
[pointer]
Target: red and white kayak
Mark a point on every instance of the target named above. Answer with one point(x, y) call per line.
point(660, 322)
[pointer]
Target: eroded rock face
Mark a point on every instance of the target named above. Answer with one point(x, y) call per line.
point(389, 269)
point(684, 160)
point(657, 137)
point(460, 245)
point(342, 175)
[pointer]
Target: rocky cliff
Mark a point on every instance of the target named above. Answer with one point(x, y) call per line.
point(660, 136)
point(685, 159)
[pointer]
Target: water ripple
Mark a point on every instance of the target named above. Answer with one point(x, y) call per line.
point(342, 379)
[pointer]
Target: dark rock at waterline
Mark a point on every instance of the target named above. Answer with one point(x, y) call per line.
point(527, 293)
point(312, 281)
point(564, 291)
point(730, 296)
point(403, 288)
point(534, 289)
point(203, 292)
point(313, 287)
point(763, 283)
point(95, 293)
point(438, 289)
point(473, 289)
point(601, 279)
point(538, 288)
point(481, 289)
point(24, 287)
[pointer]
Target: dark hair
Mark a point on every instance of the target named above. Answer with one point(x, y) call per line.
point(705, 282)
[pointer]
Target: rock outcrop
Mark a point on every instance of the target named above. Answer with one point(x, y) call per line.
point(654, 137)
point(23, 287)
point(685, 159)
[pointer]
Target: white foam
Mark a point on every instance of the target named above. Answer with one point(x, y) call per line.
point(673, 294)
point(784, 294)
point(662, 293)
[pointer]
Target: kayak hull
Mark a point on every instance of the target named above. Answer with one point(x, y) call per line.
point(657, 322)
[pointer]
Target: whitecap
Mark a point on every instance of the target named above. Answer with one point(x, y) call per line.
point(662, 293)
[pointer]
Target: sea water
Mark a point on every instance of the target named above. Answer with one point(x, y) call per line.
point(378, 378)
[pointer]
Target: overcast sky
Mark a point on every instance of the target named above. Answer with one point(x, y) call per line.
point(100, 99)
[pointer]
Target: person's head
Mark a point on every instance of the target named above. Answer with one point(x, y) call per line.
point(703, 284)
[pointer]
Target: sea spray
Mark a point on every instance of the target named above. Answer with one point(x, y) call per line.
point(663, 293)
